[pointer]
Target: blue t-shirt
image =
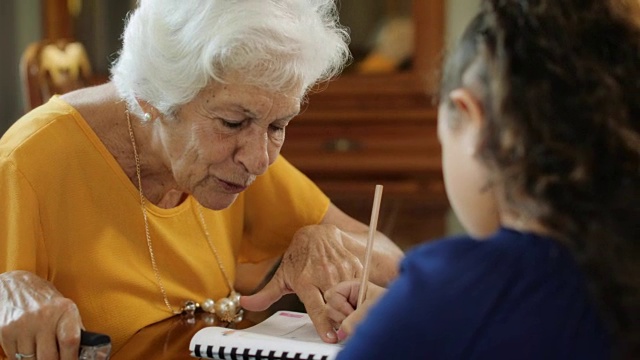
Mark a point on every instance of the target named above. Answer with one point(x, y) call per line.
point(512, 296)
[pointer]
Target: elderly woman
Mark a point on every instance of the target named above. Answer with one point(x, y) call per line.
point(124, 202)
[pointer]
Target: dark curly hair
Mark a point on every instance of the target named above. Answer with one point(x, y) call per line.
point(561, 90)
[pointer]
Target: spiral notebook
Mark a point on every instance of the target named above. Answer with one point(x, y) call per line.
point(285, 335)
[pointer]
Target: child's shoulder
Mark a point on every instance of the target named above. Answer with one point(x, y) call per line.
point(504, 240)
point(506, 252)
point(512, 293)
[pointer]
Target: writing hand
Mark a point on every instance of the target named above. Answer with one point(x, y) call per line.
point(341, 305)
point(36, 319)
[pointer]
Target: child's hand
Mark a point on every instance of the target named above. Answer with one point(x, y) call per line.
point(341, 305)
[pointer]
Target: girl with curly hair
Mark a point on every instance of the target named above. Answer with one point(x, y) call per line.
point(539, 121)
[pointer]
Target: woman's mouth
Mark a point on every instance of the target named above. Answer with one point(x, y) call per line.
point(231, 187)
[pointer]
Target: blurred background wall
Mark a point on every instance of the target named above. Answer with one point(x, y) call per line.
point(19, 25)
point(98, 27)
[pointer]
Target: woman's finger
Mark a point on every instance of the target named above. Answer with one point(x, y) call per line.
point(46, 346)
point(68, 334)
point(313, 302)
point(25, 348)
point(268, 295)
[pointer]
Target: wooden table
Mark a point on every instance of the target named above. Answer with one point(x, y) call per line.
point(169, 339)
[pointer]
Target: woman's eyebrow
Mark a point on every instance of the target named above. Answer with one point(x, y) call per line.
point(250, 114)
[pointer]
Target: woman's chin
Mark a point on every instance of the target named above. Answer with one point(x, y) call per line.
point(217, 202)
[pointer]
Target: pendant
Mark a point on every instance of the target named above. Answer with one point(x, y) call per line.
point(226, 309)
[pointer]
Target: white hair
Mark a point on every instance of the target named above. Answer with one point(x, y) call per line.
point(173, 48)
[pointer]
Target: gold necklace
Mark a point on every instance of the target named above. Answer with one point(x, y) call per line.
point(227, 308)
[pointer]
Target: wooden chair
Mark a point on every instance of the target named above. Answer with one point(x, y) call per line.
point(51, 67)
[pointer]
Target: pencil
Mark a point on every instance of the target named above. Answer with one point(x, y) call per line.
point(367, 256)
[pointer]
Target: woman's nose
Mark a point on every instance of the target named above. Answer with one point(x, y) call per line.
point(254, 152)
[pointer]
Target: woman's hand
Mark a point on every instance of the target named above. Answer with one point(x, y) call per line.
point(316, 260)
point(321, 256)
point(36, 319)
point(342, 301)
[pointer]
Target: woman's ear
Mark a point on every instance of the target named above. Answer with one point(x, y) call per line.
point(147, 108)
point(471, 114)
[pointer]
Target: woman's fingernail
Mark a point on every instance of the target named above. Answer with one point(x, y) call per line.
point(341, 334)
point(331, 335)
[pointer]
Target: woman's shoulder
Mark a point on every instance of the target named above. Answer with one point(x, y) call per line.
point(49, 137)
point(31, 126)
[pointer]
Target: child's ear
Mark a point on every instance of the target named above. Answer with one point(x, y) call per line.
point(468, 105)
point(471, 114)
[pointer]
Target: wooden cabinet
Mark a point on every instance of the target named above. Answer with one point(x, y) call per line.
point(362, 130)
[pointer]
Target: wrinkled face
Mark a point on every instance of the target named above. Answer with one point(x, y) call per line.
point(225, 137)
point(464, 176)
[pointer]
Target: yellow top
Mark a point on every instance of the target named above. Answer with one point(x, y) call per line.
point(72, 216)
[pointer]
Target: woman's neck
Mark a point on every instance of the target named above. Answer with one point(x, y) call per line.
point(105, 112)
point(158, 184)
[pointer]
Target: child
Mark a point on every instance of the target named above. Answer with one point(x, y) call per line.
point(540, 119)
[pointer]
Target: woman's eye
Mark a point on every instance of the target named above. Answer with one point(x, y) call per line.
point(231, 124)
point(277, 132)
point(277, 128)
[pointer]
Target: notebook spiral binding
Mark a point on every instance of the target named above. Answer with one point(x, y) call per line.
point(233, 353)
